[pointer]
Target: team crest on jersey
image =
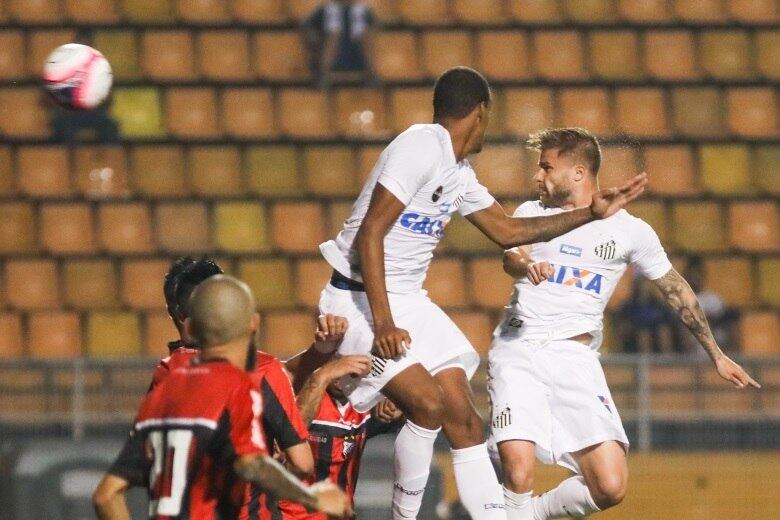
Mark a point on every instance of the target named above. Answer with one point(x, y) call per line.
point(576, 277)
point(349, 445)
point(606, 250)
point(503, 419)
point(437, 194)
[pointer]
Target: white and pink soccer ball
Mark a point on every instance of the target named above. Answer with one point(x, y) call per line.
point(77, 76)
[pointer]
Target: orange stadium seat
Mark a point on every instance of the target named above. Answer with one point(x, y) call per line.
point(41, 43)
point(424, 11)
point(477, 327)
point(535, 11)
point(586, 108)
point(760, 333)
point(113, 334)
point(698, 226)
point(224, 55)
point(43, 171)
point(12, 55)
point(158, 331)
point(767, 174)
point(590, 11)
point(614, 55)
point(54, 335)
point(264, 12)
point(669, 55)
point(368, 156)
point(654, 213)
point(92, 11)
point(90, 284)
point(31, 284)
point(239, 227)
point(11, 343)
point(182, 228)
point(460, 235)
point(503, 55)
point(769, 280)
point(125, 228)
point(652, 11)
point(338, 212)
point(101, 171)
point(395, 56)
point(384, 10)
point(699, 10)
point(754, 226)
point(527, 110)
point(192, 113)
point(697, 112)
point(755, 11)
point(500, 168)
point(137, 111)
point(35, 11)
point(768, 60)
point(148, 11)
point(410, 106)
point(158, 171)
point(298, 227)
point(442, 50)
point(167, 55)
point(17, 227)
point(642, 112)
point(311, 275)
point(618, 165)
point(304, 113)
point(301, 9)
point(484, 12)
point(121, 50)
point(725, 169)
point(30, 117)
point(361, 112)
point(752, 112)
point(67, 228)
point(248, 113)
point(671, 169)
point(446, 282)
point(202, 11)
point(730, 278)
point(558, 55)
point(7, 174)
point(287, 333)
point(489, 273)
point(281, 55)
point(330, 171)
point(725, 54)
point(273, 170)
point(141, 283)
point(270, 281)
point(215, 171)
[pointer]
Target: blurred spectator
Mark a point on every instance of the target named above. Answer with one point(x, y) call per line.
point(339, 36)
point(643, 323)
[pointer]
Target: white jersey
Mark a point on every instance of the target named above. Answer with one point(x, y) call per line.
point(588, 263)
point(419, 168)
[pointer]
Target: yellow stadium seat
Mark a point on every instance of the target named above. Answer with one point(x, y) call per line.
point(752, 112)
point(192, 113)
point(484, 12)
point(168, 55)
point(273, 170)
point(753, 11)
point(527, 110)
point(248, 113)
point(92, 11)
point(31, 284)
point(31, 120)
point(760, 333)
point(424, 11)
point(101, 171)
point(141, 288)
point(90, 284)
point(11, 342)
point(125, 228)
point(281, 56)
point(410, 106)
point(147, 11)
point(159, 330)
point(754, 226)
point(311, 275)
point(330, 171)
point(54, 335)
point(730, 278)
point(477, 327)
point(699, 10)
point(270, 281)
point(669, 55)
point(158, 171)
point(304, 113)
point(442, 50)
point(215, 171)
point(262, 12)
point(503, 55)
point(725, 54)
point(489, 272)
point(558, 55)
point(43, 171)
point(614, 54)
point(590, 11)
point(206, 12)
point(671, 170)
point(654, 213)
point(461, 236)
point(395, 56)
point(697, 112)
point(12, 55)
point(17, 228)
point(182, 228)
point(642, 112)
point(446, 282)
point(41, 43)
point(298, 227)
point(121, 50)
point(224, 55)
point(500, 169)
point(46, 12)
point(138, 112)
point(113, 334)
point(767, 174)
point(651, 11)
point(699, 226)
point(725, 169)
point(239, 227)
point(67, 228)
point(586, 108)
point(535, 11)
point(769, 280)
point(361, 112)
point(768, 60)
point(287, 333)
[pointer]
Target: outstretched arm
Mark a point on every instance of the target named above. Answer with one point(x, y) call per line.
point(310, 396)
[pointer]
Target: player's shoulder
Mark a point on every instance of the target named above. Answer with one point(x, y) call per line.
point(628, 221)
point(266, 364)
point(530, 208)
point(430, 138)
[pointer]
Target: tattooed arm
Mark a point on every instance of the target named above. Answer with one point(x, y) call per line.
point(681, 298)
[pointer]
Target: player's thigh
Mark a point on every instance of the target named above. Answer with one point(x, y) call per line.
point(518, 460)
point(462, 423)
point(605, 470)
point(418, 395)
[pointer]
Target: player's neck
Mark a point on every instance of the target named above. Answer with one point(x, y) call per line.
point(459, 135)
point(577, 200)
point(234, 352)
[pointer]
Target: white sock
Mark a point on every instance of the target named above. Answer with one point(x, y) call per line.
point(413, 454)
point(478, 487)
point(571, 499)
point(519, 506)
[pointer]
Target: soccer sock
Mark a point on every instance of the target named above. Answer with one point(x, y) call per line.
point(571, 499)
point(413, 454)
point(519, 506)
point(478, 487)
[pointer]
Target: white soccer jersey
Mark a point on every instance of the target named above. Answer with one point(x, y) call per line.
point(588, 263)
point(420, 169)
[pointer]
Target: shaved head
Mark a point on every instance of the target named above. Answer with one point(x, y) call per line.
point(220, 310)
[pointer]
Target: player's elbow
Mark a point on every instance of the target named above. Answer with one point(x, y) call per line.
point(107, 491)
point(300, 460)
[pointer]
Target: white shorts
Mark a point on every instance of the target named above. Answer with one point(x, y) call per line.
point(553, 393)
point(437, 343)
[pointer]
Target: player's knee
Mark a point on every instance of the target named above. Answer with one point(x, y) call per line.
point(608, 491)
point(518, 477)
point(428, 410)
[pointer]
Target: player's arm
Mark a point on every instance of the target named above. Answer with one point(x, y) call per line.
point(681, 298)
point(310, 396)
point(518, 264)
point(330, 331)
point(109, 498)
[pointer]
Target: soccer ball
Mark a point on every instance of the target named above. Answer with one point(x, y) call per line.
point(77, 76)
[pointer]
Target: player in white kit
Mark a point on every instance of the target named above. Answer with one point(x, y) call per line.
point(420, 359)
point(549, 397)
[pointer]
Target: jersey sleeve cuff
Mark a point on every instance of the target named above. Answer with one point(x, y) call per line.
point(468, 209)
point(395, 187)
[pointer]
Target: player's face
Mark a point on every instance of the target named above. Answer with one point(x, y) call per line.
point(554, 178)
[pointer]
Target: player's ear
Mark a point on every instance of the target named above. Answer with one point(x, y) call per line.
point(254, 324)
point(579, 172)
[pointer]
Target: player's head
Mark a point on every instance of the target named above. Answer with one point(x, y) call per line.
point(192, 276)
point(221, 310)
point(463, 94)
point(169, 285)
point(569, 163)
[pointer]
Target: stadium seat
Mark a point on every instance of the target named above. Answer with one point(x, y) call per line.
point(535, 11)
point(7, 175)
point(207, 12)
point(484, 12)
point(191, 113)
point(768, 59)
point(270, 280)
point(31, 284)
point(12, 55)
point(113, 334)
point(147, 12)
point(311, 275)
point(461, 236)
point(767, 174)
point(753, 11)
point(368, 156)
point(725, 169)
point(503, 55)
point(298, 227)
point(754, 226)
point(281, 56)
point(618, 165)
point(697, 112)
point(41, 43)
point(698, 226)
point(654, 213)
point(263, 12)
point(67, 228)
point(224, 55)
point(248, 113)
point(17, 228)
point(92, 11)
point(590, 11)
point(34, 12)
point(650, 11)
point(30, 118)
point(182, 228)
point(287, 333)
point(730, 278)
point(301, 9)
point(361, 113)
point(410, 106)
point(141, 283)
point(527, 110)
point(446, 282)
point(752, 112)
point(11, 343)
point(669, 55)
point(477, 327)
point(671, 170)
point(699, 10)
point(395, 56)
point(769, 280)
point(158, 331)
point(239, 227)
point(54, 335)
point(273, 170)
point(586, 108)
point(558, 55)
point(101, 171)
point(215, 171)
point(138, 112)
point(90, 284)
point(304, 113)
point(642, 112)
point(330, 171)
point(43, 171)
point(427, 12)
point(442, 50)
point(338, 212)
point(500, 169)
point(489, 273)
point(158, 171)
point(614, 54)
point(125, 228)
point(725, 54)
point(760, 333)
point(121, 50)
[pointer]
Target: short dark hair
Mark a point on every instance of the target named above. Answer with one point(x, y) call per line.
point(458, 91)
point(569, 141)
point(190, 278)
point(169, 282)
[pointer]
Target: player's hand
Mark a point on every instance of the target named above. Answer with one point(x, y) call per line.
point(330, 499)
point(731, 371)
point(387, 411)
point(348, 365)
point(330, 331)
point(390, 342)
point(608, 202)
point(539, 272)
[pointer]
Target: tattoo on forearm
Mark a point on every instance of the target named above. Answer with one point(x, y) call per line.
point(273, 478)
point(309, 398)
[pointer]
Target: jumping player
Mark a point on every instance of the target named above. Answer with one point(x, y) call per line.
point(421, 361)
point(549, 396)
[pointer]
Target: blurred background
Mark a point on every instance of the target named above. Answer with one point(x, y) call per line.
point(243, 129)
